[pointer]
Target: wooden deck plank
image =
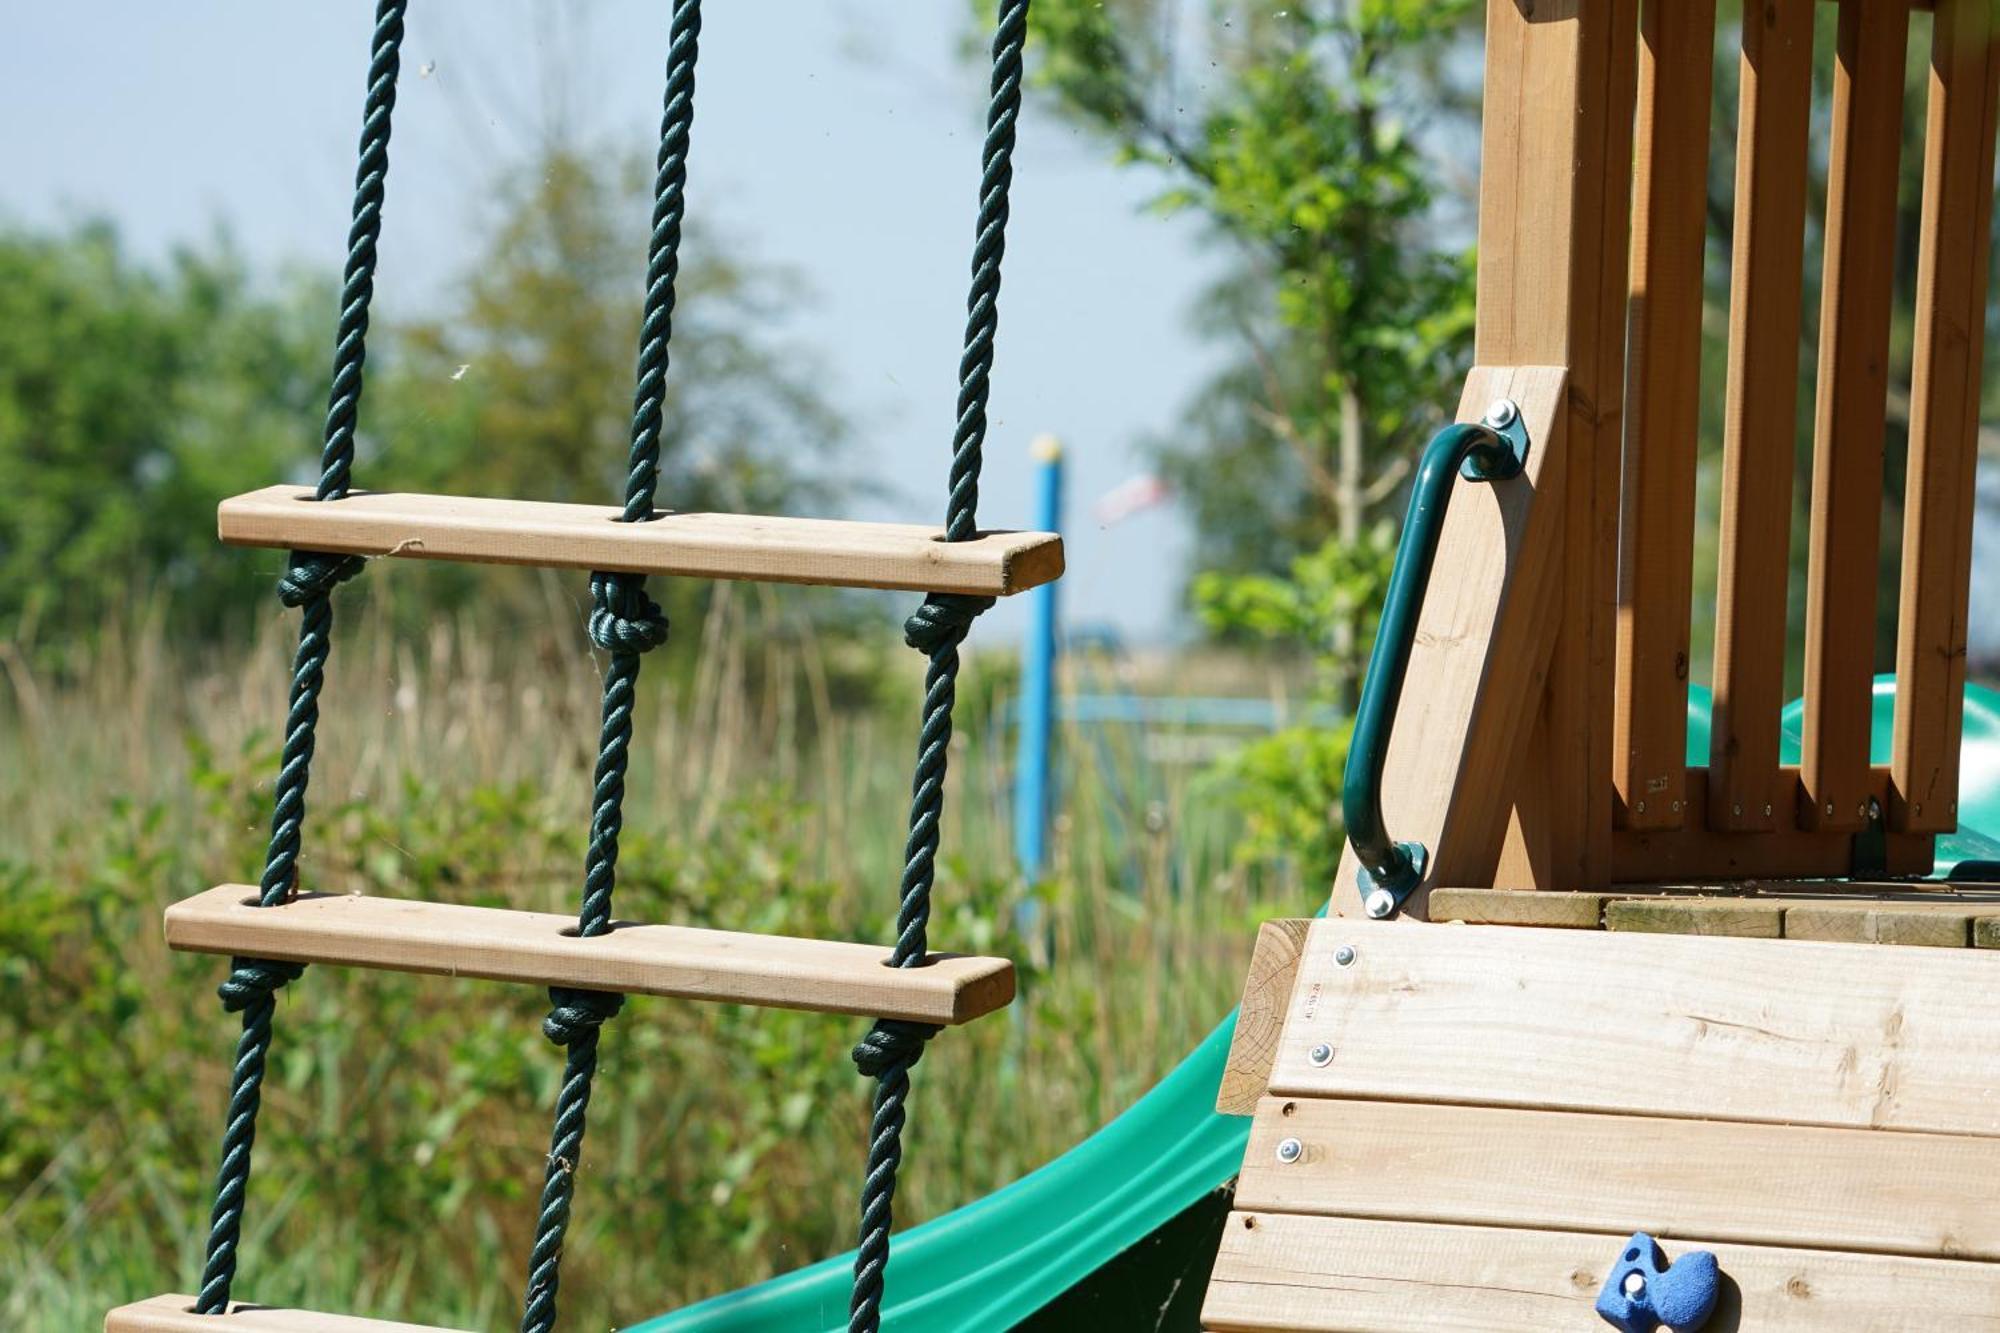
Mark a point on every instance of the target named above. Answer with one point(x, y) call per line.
point(1554, 239)
point(1926, 1195)
point(1662, 412)
point(570, 536)
point(1512, 907)
point(1740, 1029)
point(1851, 412)
point(1482, 650)
point(1267, 989)
point(1279, 1271)
point(1925, 925)
point(447, 939)
point(1952, 271)
point(175, 1314)
point(1760, 417)
point(1739, 917)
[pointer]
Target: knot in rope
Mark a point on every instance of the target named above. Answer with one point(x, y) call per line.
point(314, 574)
point(623, 619)
point(943, 619)
point(578, 1013)
point(891, 1044)
point(252, 979)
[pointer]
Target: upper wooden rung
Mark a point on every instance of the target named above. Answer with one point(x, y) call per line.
point(175, 1314)
point(571, 536)
point(447, 939)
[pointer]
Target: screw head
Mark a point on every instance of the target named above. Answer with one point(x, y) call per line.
point(1829, 809)
point(1381, 904)
point(1290, 1150)
point(1738, 809)
point(1344, 955)
point(1635, 1285)
point(1767, 809)
point(1320, 1056)
point(1500, 413)
point(1642, 807)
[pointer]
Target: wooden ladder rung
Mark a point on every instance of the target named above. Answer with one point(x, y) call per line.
point(447, 939)
point(175, 1314)
point(570, 536)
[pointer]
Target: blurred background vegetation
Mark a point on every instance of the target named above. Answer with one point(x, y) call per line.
point(1328, 149)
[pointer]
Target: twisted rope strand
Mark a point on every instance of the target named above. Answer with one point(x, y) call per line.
point(307, 585)
point(625, 622)
point(892, 1048)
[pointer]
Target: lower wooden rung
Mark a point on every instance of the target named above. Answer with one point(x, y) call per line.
point(175, 1314)
point(448, 939)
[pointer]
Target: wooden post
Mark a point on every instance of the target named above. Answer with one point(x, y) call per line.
point(1555, 205)
point(1761, 419)
point(1952, 268)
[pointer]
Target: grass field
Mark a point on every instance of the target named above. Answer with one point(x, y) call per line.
point(405, 1118)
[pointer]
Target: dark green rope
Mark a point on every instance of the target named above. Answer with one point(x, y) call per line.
point(892, 1047)
point(308, 584)
point(625, 622)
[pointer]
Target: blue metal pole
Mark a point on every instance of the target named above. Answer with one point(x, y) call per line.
point(1038, 670)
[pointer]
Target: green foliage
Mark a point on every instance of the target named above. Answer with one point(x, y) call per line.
point(134, 396)
point(400, 1148)
point(1287, 786)
point(1298, 135)
point(526, 383)
point(131, 398)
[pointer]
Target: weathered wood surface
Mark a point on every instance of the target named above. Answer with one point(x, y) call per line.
point(1274, 964)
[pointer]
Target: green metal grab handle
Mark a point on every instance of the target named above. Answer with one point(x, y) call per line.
point(1495, 449)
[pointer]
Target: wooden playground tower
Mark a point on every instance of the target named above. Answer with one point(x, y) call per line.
point(1457, 1126)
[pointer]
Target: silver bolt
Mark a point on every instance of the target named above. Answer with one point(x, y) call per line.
point(1918, 809)
point(1677, 807)
point(1767, 809)
point(1501, 413)
point(1738, 808)
point(1381, 904)
point(1290, 1150)
point(1344, 955)
point(1642, 807)
point(1635, 1285)
point(1321, 1056)
point(1829, 809)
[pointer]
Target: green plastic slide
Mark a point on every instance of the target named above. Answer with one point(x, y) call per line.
point(993, 1264)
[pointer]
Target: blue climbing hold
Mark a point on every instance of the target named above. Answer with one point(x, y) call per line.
point(1644, 1291)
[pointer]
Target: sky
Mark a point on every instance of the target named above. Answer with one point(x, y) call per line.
point(836, 139)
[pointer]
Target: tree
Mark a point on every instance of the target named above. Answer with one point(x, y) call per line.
point(131, 398)
point(1300, 145)
point(525, 388)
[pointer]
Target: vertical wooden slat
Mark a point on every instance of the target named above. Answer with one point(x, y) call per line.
point(1761, 420)
point(1952, 265)
point(1663, 410)
point(1560, 88)
point(1850, 412)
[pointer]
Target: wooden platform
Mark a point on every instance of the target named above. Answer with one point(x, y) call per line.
point(446, 939)
point(1934, 915)
point(175, 1314)
point(1462, 1124)
point(571, 536)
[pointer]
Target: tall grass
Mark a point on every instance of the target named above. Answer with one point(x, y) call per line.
point(405, 1118)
